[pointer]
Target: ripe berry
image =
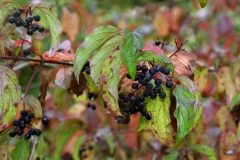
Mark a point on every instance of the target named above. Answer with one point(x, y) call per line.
point(143, 82)
point(169, 84)
point(25, 24)
point(157, 42)
point(15, 122)
point(121, 95)
point(146, 93)
point(144, 113)
point(18, 22)
point(158, 82)
point(126, 99)
point(88, 71)
point(24, 112)
point(139, 67)
point(142, 75)
point(153, 95)
point(90, 147)
point(38, 132)
point(144, 68)
point(21, 118)
point(158, 67)
point(27, 120)
point(36, 17)
point(29, 19)
point(141, 98)
point(89, 105)
point(134, 86)
point(35, 27)
point(26, 52)
point(12, 133)
point(141, 104)
point(86, 64)
point(19, 132)
point(128, 76)
point(152, 71)
point(30, 31)
point(166, 71)
point(126, 109)
point(149, 86)
point(45, 121)
point(157, 89)
point(22, 125)
point(12, 19)
point(31, 115)
point(133, 99)
point(32, 131)
point(148, 117)
point(27, 136)
point(133, 110)
point(148, 77)
point(41, 29)
point(136, 77)
point(162, 94)
point(94, 107)
point(130, 95)
point(16, 13)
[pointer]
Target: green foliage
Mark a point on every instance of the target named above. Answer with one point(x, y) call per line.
point(22, 150)
point(159, 109)
point(188, 109)
point(131, 44)
point(77, 145)
point(203, 3)
point(10, 93)
point(90, 83)
point(39, 148)
point(205, 150)
point(91, 43)
point(143, 123)
point(4, 143)
point(37, 43)
point(172, 156)
point(235, 100)
point(54, 25)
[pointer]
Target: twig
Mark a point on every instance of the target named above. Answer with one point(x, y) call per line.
point(35, 60)
point(179, 48)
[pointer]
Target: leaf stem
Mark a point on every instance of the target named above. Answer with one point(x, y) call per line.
point(35, 60)
point(179, 48)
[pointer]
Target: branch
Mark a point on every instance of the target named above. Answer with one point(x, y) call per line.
point(179, 48)
point(35, 60)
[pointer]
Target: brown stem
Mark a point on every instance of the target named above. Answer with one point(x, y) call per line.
point(35, 60)
point(179, 48)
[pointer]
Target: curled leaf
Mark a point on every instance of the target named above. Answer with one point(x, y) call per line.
point(63, 78)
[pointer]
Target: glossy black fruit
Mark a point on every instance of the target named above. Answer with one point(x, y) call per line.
point(158, 67)
point(157, 89)
point(157, 42)
point(158, 82)
point(32, 131)
point(166, 71)
point(142, 75)
point(93, 107)
point(121, 95)
point(26, 52)
point(35, 27)
point(125, 99)
point(18, 22)
point(139, 67)
point(25, 24)
point(88, 71)
point(149, 86)
point(45, 121)
point(135, 86)
point(162, 94)
point(146, 93)
point(20, 132)
point(27, 136)
point(133, 99)
point(16, 13)
point(16, 122)
point(30, 31)
point(22, 125)
point(126, 109)
point(24, 112)
point(148, 77)
point(27, 120)
point(144, 68)
point(152, 71)
point(12, 133)
point(38, 132)
point(153, 95)
point(29, 19)
point(148, 117)
point(36, 17)
point(128, 76)
point(41, 29)
point(31, 115)
point(141, 98)
point(169, 84)
point(12, 19)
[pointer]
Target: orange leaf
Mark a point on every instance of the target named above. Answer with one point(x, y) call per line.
point(59, 56)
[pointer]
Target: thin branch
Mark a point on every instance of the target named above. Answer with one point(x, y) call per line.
point(35, 60)
point(179, 48)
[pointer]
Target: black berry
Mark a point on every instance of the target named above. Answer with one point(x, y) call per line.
point(35, 27)
point(141, 98)
point(152, 71)
point(146, 93)
point(144, 68)
point(135, 86)
point(27, 120)
point(139, 68)
point(15, 122)
point(93, 107)
point(148, 77)
point(27, 136)
point(31, 115)
point(30, 31)
point(153, 95)
point(128, 76)
point(133, 99)
point(166, 71)
point(41, 29)
point(26, 52)
point(16, 13)
point(121, 95)
point(19, 132)
point(136, 77)
point(142, 75)
point(157, 42)
point(29, 19)
point(36, 17)
point(169, 84)
point(22, 125)
point(25, 24)
point(38, 132)
point(88, 71)
point(162, 94)
point(12, 19)
point(12, 133)
point(18, 22)
point(32, 131)
point(149, 86)
point(126, 99)
point(158, 67)
point(158, 82)
point(157, 89)
point(45, 121)
point(126, 109)
point(90, 147)
point(24, 112)
point(148, 117)
point(89, 105)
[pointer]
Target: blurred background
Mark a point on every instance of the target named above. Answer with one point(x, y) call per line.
point(213, 42)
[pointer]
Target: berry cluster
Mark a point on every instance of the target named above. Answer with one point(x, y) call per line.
point(86, 68)
point(27, 23)
point(25, 121)
point(83, 150)
point(145, 78)
point(92, 97)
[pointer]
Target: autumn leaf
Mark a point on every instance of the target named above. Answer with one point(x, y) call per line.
point(203, 3)
point(205, 150)
point(37, 43)
point(63, 78)
point(201, 76)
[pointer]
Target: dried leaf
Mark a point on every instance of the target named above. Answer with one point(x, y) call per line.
point(63, 78)
point(43, 90)
point(37, 43)
point(76, 87)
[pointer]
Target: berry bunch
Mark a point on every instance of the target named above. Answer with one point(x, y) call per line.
point(25, 121)
point(27, 23)
point(146, 79)
point(83, 150)
point(92, 97)
point(86, 68)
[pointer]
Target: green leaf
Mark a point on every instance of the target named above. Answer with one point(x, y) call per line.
point(151, 56)
point(59, 95)
point(37, 43)
point(4, 143)
point(102, 54)
point(172, 156)
point(62, 139)
point(188, 111)
point(143, 123)
point(159, 109)
point(35, 106)
point(91, 84)
point(77, 145)
point(90, 44)
point(22, 149)
point(131, 44)
point(201, 76)
point(110, 78)
point(6, 10)
point(205, 150)
point(38, 152)
point(10, 93)
point(5, 33)
point(203, 3)
point(235, 100)
point(54, 25)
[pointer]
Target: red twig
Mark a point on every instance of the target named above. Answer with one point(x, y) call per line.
point(179, 48)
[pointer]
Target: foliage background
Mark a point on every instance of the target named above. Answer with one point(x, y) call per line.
point(213, 44)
